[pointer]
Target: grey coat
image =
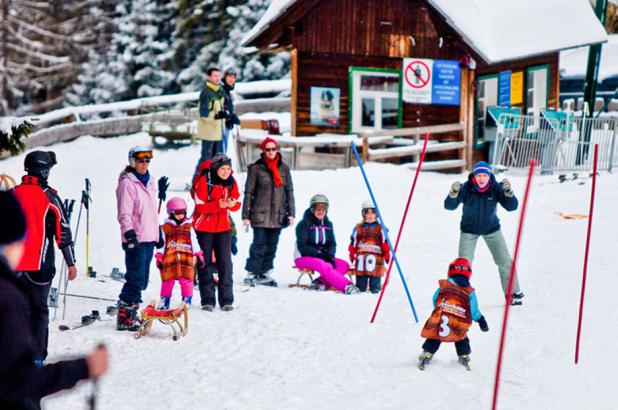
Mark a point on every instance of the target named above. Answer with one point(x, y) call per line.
point(265, 205)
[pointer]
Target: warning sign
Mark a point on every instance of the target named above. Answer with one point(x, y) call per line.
point(417, 84)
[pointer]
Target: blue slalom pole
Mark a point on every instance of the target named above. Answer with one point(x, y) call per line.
point(388, 239)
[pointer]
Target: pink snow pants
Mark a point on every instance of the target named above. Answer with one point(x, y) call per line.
point(186, 287)
point(330, 277)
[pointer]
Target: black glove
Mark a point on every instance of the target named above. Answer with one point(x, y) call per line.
point(131, 238)
point(163, 185)
point(234, 247)
point(221, 115)
point(235, 119)
point(161, 242)
point(330, 259)
point(483, 324)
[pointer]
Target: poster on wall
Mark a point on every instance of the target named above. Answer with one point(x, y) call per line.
point(517, 88)
point(504, 89)
point(325, 103)
point(428, 81)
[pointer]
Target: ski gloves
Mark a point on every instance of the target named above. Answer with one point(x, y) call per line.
point(222, 115)
point(455, 187)
point(161, 242)
point(506, 187)
point(163, 185)
point(159, 260)
point(131, 238)
point(483, 324)
point(201, 262)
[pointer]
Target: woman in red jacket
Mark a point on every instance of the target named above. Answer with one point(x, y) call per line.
point(215, 193)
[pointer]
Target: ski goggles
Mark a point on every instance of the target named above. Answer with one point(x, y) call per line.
point(143, 155)
point(320, 207)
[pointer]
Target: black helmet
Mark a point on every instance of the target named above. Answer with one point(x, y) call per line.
point(219, 160)
point(230, 71)
point(38, 163)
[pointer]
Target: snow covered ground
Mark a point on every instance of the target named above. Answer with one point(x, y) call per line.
point(292, 349)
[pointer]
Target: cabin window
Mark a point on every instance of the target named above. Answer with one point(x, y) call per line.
point(375, 96)
point(486, 96)
point(536, 86)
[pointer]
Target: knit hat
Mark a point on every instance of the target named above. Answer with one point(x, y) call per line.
point(219, 160)
point(12, 219)
point(266, 141)
point(481, 167)
point(460, 266)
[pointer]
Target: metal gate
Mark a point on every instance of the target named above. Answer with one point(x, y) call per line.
point(555, 142)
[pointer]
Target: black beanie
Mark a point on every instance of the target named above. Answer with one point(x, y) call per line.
point(12, 219)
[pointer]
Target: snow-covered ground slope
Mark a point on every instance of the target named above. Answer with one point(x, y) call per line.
point(292, 349)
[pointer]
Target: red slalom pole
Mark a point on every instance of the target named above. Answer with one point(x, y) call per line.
point(581, 300)
point(403, 221)
point(509, 292)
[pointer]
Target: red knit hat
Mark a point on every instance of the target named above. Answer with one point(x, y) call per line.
point(266, 141)
point(460, 266)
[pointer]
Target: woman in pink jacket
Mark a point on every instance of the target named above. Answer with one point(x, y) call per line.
point(137, 215)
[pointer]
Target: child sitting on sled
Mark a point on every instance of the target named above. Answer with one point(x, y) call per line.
point(455, 307)
point(178, 260)
point(369, 251)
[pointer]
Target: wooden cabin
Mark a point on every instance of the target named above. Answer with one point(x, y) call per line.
point(359, 65)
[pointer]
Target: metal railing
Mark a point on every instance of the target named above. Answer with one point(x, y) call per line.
point(555, 142)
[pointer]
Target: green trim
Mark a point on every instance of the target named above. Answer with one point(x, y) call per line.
point(480, 144)
point(537, 68)
point(352, 70)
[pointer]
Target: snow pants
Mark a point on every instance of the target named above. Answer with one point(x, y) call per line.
point(39, 311)
point(329, 276)
point(375, 283)
point(221, 243)
point(462, 346)
point(186, 287)
point(262, 250)
point(499, 251)
point(137, 262)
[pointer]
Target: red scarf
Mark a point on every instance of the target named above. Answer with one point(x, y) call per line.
point(272, 165)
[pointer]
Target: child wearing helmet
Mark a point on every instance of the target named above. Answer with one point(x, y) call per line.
point(177, 260)
point(455, 307)
point(369, 251)
point(316, 246)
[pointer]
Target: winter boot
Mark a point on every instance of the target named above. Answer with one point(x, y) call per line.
point(351, 289)
point(164, 303)
point(227, 308)
point(464, 359)
point(424, 359)
point(516, 300)
point(187, 300)
point(264, 279)
point(316, 285)
point(250, 279)
point(208, 308)
point(127, 318)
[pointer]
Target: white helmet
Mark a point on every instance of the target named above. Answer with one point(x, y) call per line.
point(139, 153)
point(368, 204)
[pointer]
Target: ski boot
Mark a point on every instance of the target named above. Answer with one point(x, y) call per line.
point(464, 359)
point(264, 279)
point(351, 289)
point(128, 318)
point(164, 303)
point(516, 300)
point(424, 359)
point(250, 280)
point(316, 285)
point(187, 300)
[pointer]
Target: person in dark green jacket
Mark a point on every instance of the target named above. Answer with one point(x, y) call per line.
point(480, 196)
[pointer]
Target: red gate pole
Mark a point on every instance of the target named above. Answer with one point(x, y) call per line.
point(509, 292)
point(581, 300)
point(403, 221)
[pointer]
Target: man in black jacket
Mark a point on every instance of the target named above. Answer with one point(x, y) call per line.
point(22, 383)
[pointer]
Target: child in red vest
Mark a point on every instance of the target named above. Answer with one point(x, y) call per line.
point(178, 260)
point(455, 307)
point(369, 251)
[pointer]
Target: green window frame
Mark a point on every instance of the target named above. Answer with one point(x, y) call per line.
point(354, 69)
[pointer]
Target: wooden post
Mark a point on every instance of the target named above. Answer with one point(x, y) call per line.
point(294, 91)
point(470, 123)
point(365, 155)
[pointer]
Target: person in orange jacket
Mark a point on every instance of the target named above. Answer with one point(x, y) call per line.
point(216, 194)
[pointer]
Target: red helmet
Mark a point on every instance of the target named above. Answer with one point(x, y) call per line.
point(176, 204)
point(460, 266)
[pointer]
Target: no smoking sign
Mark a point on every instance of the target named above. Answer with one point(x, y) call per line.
point(417, 80)
point(417, 74)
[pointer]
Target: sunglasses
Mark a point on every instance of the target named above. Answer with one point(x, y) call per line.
point(180, 212)
point(270, 149)
point(460, 268)
point(321, 208)
point(145, 160)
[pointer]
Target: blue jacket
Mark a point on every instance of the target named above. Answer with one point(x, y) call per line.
point(314, 237)
point(479, 208)
point(474, 303)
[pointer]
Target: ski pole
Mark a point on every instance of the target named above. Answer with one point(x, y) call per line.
point(87, 206)
point(68, 208)
point(581, 301)
point(403, 221)
point(74, 295)
point(509, 292)
point(84, 200)
point(385, 231)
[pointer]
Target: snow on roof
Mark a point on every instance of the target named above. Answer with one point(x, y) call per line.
point(499, 30)
point(573, 63)
point(274, 11)
point(502, 30)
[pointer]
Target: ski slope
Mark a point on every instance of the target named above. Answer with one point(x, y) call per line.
point(287, 348)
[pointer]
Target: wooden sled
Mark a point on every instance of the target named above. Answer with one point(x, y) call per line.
point(301, 281)
point(171, 317)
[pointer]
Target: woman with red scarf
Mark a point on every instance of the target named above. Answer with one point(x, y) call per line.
point(268, 207)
